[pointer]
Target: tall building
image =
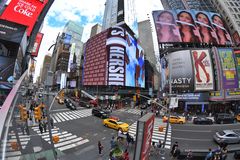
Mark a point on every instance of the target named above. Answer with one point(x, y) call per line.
point(204, 5)
point(97, 28)
point(230, 11)
point(146, 40)
point(76, 31)
point(121, 11)
point(45, 68)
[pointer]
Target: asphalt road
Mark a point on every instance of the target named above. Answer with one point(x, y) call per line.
point(200, 137)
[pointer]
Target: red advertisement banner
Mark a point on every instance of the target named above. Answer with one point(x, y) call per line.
point(37, 44)
point(24, 12)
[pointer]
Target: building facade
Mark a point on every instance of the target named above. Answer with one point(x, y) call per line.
point(121, 11)
point(204, 5)
point(230, 11)
point(76, 31)
point(45, 68)
point(97, 28)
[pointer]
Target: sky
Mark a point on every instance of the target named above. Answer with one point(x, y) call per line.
point(87, 13)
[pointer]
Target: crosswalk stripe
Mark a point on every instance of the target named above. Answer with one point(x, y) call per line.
point(66, 140)
point(67, 117)
point(73, 145)
point(71, 115)
point(64, 117)
point(57, 119)
point(60, 117)
point(157, 135)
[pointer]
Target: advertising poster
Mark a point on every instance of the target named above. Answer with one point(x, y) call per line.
point(166, 26)
point(236, 38)
point(203, 73)
point(125, 59)
point(37, 44)
point(145, 126)
point(6, 68)
point(222, 33)
point(229, 77)
point(190, 27)
point(181, 71)
point(187, 27)
point(24, 12)
point(237, 58)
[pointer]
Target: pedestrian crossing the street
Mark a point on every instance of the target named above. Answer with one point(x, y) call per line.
point(70, 115)
point(10, 153)
point(66, 140)
point(157, 135)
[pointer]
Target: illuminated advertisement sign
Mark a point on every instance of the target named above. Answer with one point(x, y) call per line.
point(216, 95)
point(237, 57)
point(145, 126)
point(12, 32)
point(202, 70)
point(24, 12)
point(126, 59)
point(229, 73)
point(181, 71)
point(232, 94)
point(236, 38)
point(37, 44)
point(190, 26)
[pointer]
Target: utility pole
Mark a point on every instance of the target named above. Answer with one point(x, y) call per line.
point(169, 96)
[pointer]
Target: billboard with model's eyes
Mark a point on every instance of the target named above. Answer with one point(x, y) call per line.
point(190, 26)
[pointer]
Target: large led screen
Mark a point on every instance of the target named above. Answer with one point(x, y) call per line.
point(181, 71)
point(228, 67)
point(202, 70)
point(190, 26)
point(24, 12)
point(125, 59)
point(237, 57)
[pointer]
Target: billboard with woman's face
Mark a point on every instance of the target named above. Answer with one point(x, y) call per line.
point(166, 27)
point(187, 27)
point(190, 26)
point(220, 29)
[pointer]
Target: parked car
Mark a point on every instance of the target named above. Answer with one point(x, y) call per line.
point(202, 120)
point(227, 137)
point(70, 105)
point(118, 125)
point(100, 113)
point(84, 104)
point(222, 118)
point(175, 119)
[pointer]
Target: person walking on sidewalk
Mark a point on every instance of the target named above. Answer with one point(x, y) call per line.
point(112, 142)
point(209, 155)
point(173, 147)
point(40, 127)
point(126, 155)
point(100, 148)
point(224, 153)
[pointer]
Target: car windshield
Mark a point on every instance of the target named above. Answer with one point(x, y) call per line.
point(221, 133)
point(120, 122)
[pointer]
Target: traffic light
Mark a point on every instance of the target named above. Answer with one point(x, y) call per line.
point(37, 113)
point(23, 112)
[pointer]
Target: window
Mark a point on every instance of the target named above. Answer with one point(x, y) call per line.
point(236, 3)
point(231, 4)
point(235, 9)
point(230, 9)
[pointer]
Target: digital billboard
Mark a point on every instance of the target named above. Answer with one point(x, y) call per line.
point(37, 44)
point(190, 26)
point(181, 71)
point(237, 58)
point(125, 59)
point(203, 73)
point(228, 67)
point(24, 12)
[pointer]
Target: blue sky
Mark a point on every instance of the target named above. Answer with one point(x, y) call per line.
point(87, 13)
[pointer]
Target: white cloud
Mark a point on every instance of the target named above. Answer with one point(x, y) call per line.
point(62, 11)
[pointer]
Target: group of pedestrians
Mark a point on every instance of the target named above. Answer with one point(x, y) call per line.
point(218, 154)
point(42, 126)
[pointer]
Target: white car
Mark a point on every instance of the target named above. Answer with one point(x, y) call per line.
point(227, 136)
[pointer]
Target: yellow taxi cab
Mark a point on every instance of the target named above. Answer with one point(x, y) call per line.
point(60, 101)
point(175, 119)
point(118, 125)
point(238, 117)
